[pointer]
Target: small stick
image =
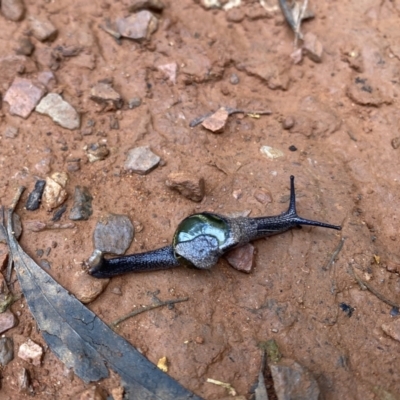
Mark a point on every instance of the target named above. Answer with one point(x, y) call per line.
point(16, 198)
point(147, 308)
point(334, 255)
point(11, 210)
point(365, 285)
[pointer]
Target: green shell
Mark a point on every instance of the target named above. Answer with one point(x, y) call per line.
point(210, 226)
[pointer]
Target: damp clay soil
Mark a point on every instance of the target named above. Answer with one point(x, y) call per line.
point(334, 121)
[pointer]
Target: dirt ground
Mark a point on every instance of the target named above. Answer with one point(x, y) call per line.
point(346, 169)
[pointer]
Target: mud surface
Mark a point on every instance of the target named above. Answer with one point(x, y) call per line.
point(345, 112)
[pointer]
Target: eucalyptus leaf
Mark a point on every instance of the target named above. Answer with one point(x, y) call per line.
point(80, 339)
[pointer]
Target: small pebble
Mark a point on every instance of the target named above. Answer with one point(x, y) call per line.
point(138, 26)
point(104, 93)
point(217, 121)
point(396, 142)
point(6, 350)
point(35, 197)
point(241, 258)
point(59, 111)
point(312, 47)
point(85, 288)
point(13, 10)
point(7, 321)
point(114, 123)
point(134, 102)
point(97, 152)
point(234, 79)
point(23, 95)
point(292, 148)
point(113, 234)
point(31, 352)
point(54, 192)
point(11, 132)
point(25, 46)
point(288, 123)
point(24, 381)
point(188, 185)
point(235, 14)
point(271, 153)
point(392, 329)
point(59, 213)
point(141, 160)
point(263, 196)
point(42, 29)
point(169, 71)
point(82, 208)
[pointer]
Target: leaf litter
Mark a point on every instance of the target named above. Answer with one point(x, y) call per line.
point(80, 339)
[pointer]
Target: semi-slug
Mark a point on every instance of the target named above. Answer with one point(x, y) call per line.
point(201, 239)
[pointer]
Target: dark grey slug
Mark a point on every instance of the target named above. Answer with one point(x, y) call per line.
point(201, 239)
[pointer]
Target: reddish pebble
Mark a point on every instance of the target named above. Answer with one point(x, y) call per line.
point(241, 258)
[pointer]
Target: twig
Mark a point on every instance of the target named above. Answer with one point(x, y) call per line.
point(11, 209)
point(147, 308)
point(366, 286)
point(334, 255)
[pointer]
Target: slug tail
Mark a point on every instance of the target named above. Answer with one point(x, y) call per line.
point(159, 259)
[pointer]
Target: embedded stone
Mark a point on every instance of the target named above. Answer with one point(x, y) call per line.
point(103, 93)
point(13, 10)
point(188, 185)
point(35, 197)
point(6, 350)
point(82, 208)
point(312, 47)
point(23, 95)
point(141, 160)
point(7, 321)
point(241, 258)
point(31, 352)
point(138, 26)
point(42, 29)
point(113, 234)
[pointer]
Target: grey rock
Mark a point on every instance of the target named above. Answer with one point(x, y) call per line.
point(6, 350)
point(312, 47)
point(23, 95)
point(234, 79)
point(35, 197)
point(59, 111)
point(292, 381)
point(113, 234)
point(141, 160)
point(103, 93)
point(13, 10)
point(82, 208)
point(42, 29)
point(138, 26)
point(7, 321)
point(134, 102)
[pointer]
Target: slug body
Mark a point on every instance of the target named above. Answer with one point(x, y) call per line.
point(201, 239)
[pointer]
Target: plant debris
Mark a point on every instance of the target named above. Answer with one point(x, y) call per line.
point(78, 337)
point(227, 386)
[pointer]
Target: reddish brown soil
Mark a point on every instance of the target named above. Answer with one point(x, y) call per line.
point(346, 173)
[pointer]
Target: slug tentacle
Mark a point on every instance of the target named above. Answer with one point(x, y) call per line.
point(163, 258)
point(267, 226)
point(201, 239)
